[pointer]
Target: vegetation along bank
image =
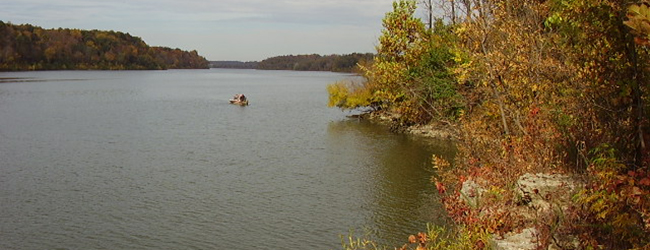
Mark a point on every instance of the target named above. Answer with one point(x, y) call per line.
point(548, 101)
point(312, 62)
point(27, 47)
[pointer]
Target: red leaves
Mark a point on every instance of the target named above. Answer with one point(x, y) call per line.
point(412, 239)
point(642, 41)
point(645, 181)
point(479, 245)
point(421, 239)
point(619, 199)
point(631, 173)
point(534, 111)
point(642, 175)
point(441, 187)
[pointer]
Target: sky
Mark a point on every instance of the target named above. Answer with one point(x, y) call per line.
point(241, 30)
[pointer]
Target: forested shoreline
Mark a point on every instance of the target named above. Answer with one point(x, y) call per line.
point(28, 47)
point(552, 91)
point(311, 62)
point(315, 62)
point(234, 64)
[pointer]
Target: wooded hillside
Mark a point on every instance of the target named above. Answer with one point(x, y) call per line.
point(28, 47)
point(233, 65)
point(315, 62)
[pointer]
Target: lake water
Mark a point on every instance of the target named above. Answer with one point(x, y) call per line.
point(161, 160)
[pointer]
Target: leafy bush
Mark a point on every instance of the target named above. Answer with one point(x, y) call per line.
point(412, 73)
point(349, 95)
point(617, 202)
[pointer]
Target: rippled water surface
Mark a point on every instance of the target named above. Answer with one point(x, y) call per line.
point(161, 160)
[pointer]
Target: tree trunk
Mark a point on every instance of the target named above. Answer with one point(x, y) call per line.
point(453, 12)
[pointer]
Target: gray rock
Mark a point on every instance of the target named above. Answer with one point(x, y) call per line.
point(538, 190)
point(526, 240)
point(471, 193)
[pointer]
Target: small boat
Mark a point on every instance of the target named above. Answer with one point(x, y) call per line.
point(239, 99)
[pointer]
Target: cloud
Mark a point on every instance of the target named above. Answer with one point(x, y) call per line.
point(212, 25)
point(356, 13)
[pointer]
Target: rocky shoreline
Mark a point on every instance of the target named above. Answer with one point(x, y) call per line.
point(392, 121)
point(538, 195)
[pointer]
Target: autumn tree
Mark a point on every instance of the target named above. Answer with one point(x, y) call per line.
point(536, 87)
point(27, 47)
point(401, 44)
point(513, 76)
point(561, 84)
point(411, 75)
point(605, 44)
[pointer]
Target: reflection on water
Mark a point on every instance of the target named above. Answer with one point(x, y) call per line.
point(160, 160)
point(30, 79)
point(397, 172)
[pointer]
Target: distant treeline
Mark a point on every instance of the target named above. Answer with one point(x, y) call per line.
point(313, 62)
point(28, 47)
point(233, 64)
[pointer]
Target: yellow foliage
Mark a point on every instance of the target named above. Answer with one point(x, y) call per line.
point(616, 201)
point(338, 94)
point(348, 95)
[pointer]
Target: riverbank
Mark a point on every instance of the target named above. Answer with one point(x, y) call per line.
point(563, 109)
point(527, 210)
point(391, 120)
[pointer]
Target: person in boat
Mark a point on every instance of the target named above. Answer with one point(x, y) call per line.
point(239, 99)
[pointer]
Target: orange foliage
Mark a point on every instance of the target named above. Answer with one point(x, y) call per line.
point(27, 47)
point(540, 98)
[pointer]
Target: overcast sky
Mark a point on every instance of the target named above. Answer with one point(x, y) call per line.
point(244, 30)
